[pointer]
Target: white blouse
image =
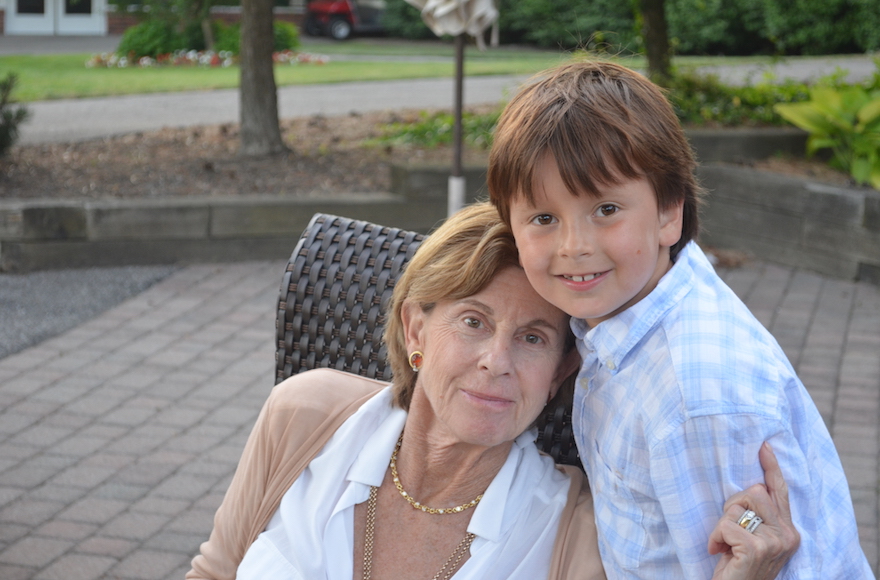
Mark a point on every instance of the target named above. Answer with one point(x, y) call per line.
point(311, 535)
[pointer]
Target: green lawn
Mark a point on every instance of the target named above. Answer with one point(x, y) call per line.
point(66, 76)
point(44, 77)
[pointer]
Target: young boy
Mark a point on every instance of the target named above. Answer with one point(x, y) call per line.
point(680, 384)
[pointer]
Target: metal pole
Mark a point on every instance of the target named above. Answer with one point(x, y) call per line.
point(459, 98)
point(456, 181)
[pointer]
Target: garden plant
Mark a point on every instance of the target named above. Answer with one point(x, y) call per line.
point(845, 120)
point(698, 100)
point(156, 37)
point(10, 116)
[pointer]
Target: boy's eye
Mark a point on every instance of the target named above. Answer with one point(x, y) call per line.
point(543, 219)
point(606, 210)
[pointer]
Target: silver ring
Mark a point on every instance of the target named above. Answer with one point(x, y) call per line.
point(746, 518)
point(753, 525)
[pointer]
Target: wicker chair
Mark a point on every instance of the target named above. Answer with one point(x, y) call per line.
point(331, 310)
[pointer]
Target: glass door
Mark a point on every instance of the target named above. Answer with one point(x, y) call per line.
point(81, 17)
point(31, 17)
point(85, 17)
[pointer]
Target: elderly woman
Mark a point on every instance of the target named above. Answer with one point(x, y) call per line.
point(437, 475)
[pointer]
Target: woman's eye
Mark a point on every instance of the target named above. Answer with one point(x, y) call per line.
point(533, 339)
point(472, 322)
point(606, 210)
point(543, 219)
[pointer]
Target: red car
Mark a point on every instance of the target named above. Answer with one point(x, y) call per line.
point(342, 18)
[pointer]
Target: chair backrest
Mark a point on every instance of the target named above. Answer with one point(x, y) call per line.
point(331, 310)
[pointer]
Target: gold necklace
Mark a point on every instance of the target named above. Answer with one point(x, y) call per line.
point(418, 505)
point(446, 571)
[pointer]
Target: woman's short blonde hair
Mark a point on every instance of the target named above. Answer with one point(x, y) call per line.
point(458, 260)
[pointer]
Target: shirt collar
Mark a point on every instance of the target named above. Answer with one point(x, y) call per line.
point(612, 340)
point(371, 463)
point(492, 516)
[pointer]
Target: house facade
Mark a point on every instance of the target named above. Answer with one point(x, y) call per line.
point(54, 17)
point(97, 18)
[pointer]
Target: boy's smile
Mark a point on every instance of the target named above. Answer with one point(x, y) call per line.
point(593, 257)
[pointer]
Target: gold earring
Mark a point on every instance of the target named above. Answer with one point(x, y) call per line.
point(415, 360)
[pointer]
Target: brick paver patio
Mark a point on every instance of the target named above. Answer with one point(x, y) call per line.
point(118, 438)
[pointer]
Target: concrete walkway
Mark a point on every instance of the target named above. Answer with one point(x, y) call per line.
point(69, 120)
point(119, 437)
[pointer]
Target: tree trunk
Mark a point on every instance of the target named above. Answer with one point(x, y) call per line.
point(260, 131)
point(208, 32)
point(654, 30)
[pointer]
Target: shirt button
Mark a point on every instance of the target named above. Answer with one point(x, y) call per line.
point(610, 364)
point(584, 383)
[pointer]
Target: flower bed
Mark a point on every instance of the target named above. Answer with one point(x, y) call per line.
point(206, 58)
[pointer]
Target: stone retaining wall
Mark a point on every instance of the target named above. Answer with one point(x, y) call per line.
point(797, 222)
point(830, 230)
point(55, 234)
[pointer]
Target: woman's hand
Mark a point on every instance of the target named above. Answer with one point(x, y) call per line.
point(762, 554)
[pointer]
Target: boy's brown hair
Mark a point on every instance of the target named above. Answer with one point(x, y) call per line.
point(601, 122)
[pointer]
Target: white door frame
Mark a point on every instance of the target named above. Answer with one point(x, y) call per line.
point(92, 22)
point(55, 20)
point(35, 23)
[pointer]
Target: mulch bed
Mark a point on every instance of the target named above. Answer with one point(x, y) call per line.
point(327, 157)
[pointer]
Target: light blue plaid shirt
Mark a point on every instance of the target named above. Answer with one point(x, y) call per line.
point(675, 397)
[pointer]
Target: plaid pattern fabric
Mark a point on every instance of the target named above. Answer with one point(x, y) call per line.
point(674, 399)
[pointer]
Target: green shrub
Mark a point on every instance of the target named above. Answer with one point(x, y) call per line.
point(546, 23)
point(733, 27)
point(697, 100)
point(229, 37)
point(845, 120)
point(402, 20)
point(436, 129)
point(10, 117)
point(717, 27)
point(157, 36)
point(192, 37)
point(703, 99)
point(151, 38)
point(823, 26)
point(286, 36)
point(569, 23)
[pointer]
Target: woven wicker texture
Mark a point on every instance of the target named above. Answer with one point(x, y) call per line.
point(331, 310)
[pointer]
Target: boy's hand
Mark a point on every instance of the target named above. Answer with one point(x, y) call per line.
point(762, 554)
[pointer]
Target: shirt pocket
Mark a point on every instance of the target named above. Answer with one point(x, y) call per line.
point(619, 518)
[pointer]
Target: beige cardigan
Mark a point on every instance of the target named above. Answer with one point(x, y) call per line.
point(301, 414)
